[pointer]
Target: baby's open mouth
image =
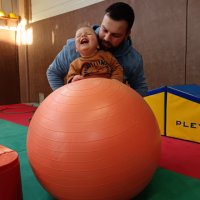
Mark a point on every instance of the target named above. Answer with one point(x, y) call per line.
point(84, 41)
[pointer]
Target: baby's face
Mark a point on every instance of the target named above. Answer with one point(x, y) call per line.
point(86, 41)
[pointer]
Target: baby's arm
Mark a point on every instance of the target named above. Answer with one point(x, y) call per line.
point(74, 74)
point(117, 70)
point(77, 78)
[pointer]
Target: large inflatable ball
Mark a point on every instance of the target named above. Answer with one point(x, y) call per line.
point(94, 139)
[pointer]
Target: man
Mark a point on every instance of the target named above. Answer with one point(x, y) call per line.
point(114, 36)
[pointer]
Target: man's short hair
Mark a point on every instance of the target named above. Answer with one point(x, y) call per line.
point(121, 11)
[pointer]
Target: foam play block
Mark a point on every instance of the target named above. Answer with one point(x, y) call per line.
point(183, 112)
point(10, 180)
point(156, 100)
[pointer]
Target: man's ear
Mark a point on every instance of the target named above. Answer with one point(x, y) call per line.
point(128, 34)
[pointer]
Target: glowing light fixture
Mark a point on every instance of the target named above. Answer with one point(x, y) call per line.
point(24, 36)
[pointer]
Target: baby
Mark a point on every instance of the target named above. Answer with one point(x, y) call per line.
point(92, 61)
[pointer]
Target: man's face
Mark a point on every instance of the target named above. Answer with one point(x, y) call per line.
point(112, 33)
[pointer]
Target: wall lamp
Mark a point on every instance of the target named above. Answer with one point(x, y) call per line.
point(8, 21)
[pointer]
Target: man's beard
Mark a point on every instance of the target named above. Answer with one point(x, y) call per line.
point(106, 45)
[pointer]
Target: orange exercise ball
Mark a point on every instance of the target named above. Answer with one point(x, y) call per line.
point(94, 139)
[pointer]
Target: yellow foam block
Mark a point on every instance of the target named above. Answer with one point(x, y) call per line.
point(156, 101)
point(183, 118)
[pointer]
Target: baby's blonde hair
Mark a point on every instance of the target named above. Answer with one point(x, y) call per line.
point(83, 24)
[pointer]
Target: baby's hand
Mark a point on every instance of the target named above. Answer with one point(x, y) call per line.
point(77, 78)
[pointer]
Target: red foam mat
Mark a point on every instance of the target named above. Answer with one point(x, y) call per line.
point(180, 156)
point(17, 113)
